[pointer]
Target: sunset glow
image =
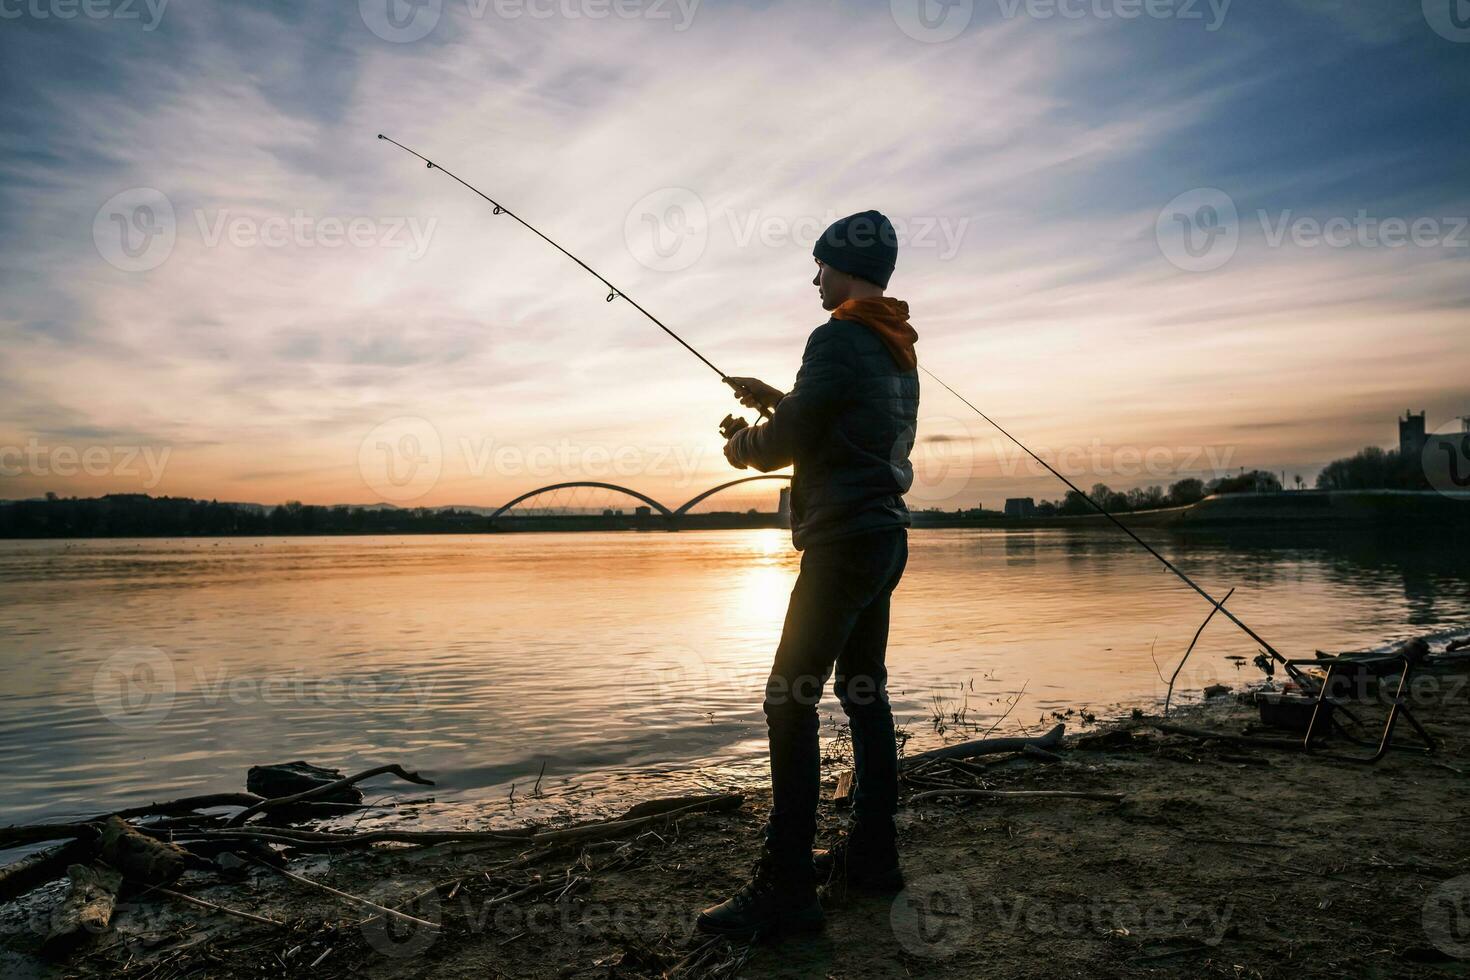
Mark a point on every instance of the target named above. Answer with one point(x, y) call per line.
point(321, 287)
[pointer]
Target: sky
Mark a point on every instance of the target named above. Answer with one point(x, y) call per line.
point(1154, 238)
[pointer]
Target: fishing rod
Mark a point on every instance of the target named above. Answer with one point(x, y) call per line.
point(729, 425)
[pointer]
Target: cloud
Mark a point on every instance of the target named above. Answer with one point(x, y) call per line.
point(1037, 154)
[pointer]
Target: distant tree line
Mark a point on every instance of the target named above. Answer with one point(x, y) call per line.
point(1180, 494)
point(1374, 469)
point(139, 515)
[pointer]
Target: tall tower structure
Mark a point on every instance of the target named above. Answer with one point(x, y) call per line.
point(1411, 435)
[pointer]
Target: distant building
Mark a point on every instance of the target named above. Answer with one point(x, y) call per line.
point(1020, 507)
point(642, 512)
point(783, 507)
point(1412, 434)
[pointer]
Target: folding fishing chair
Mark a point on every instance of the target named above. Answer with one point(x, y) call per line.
point(1356, 680)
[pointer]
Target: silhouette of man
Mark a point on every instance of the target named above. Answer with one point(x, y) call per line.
point(847, 428)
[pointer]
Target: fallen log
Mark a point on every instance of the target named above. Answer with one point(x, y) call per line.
point(34, 870)
point(16, 836)
point(87, 909)
point(1256, 740)
point(987, 746)
point(653, 808)
point(141, 858)
point(326, 789)
point(1014, 794)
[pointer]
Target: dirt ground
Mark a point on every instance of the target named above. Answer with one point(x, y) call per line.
point(1224, 860)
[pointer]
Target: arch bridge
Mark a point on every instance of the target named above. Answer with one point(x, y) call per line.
point(666, 512)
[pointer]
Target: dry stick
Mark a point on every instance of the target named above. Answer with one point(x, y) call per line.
point(219, 908)
point(325, 789)
point(1014, 701)
point(1008, 794)
point(1174, 676)
point(320, 841)
point(356, 899)
point(415, 899)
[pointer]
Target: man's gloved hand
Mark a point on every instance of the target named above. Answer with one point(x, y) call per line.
point(755, 393)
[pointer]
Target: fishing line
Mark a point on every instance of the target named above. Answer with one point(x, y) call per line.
point(1219, 606)
point(616, 293)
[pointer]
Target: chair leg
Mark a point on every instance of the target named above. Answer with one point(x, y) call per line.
point(1317, 712)
point(1402, 705)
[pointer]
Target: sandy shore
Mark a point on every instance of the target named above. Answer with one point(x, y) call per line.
point(1226, 859)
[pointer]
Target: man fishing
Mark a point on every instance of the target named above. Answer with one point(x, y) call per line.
point(847, 428)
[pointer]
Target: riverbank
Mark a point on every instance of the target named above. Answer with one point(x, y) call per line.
point(1225, 859)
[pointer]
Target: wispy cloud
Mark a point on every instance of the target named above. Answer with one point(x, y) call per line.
point(1029, 158)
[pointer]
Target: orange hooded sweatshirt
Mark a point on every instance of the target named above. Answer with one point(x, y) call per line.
point(889, 319)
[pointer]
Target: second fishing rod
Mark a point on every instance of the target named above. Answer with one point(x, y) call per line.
point(730, 424)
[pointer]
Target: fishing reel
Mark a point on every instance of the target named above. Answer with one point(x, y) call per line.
point(731, 425)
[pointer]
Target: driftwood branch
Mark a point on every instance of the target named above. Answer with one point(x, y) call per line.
point(326, 789)
point(15, 836)
point(987, 746)
point(183, 806)
point(613, 828)
point(36, 833)
point(1022, 794)
point(34, 870)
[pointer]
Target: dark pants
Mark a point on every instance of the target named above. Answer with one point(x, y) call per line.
point(838, 616)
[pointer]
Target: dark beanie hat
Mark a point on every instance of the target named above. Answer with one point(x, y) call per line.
point(863, 245)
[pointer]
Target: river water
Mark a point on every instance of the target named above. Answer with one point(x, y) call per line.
point(608, 664)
